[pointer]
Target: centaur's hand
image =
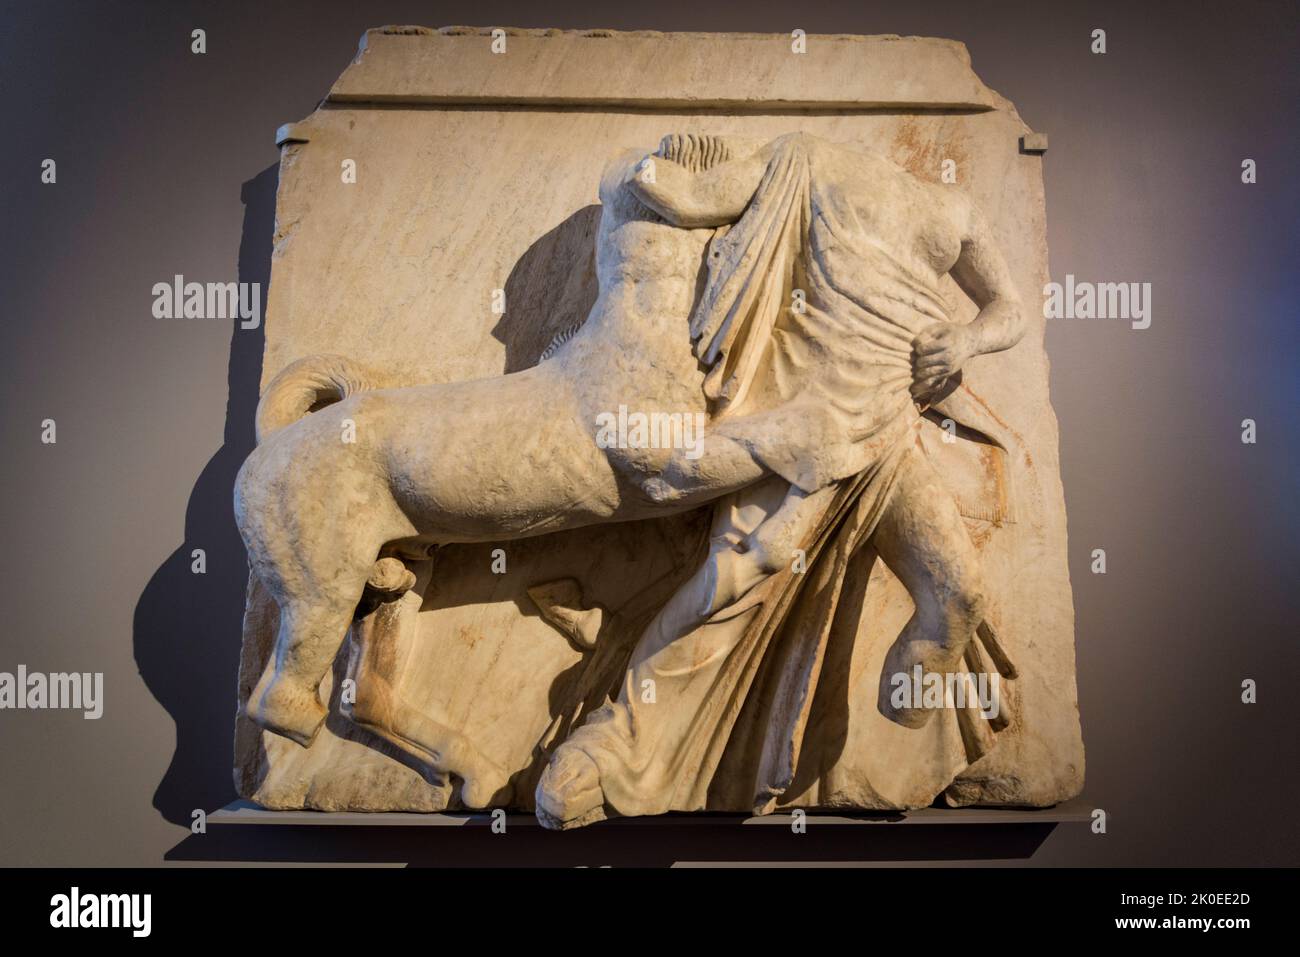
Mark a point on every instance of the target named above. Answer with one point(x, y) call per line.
point(938, 353)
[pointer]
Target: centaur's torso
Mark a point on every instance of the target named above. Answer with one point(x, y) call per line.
point(635, 348)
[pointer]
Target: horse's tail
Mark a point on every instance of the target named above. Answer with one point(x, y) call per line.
point(306, 385)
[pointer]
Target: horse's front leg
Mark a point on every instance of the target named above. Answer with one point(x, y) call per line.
point(383, 640)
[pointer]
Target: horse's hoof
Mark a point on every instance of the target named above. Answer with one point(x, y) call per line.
point(475, 793)
point(287, 709)
point(391, 578)
point(568, 794)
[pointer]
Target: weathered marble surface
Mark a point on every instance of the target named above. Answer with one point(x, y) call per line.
point(488, 181)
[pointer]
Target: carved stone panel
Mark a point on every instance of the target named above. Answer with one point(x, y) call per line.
point(521, 260)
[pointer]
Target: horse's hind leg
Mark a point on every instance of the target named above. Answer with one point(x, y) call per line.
point(313, 624)
point(286, 699)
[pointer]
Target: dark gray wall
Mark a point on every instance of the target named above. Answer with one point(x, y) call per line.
point(166, 165)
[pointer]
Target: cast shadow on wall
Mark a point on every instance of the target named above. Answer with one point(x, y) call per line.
point(187, 626)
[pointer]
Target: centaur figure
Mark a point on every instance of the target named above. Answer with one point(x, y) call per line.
point(819, 338)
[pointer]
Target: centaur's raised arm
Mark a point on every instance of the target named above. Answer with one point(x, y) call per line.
point(691, 191)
